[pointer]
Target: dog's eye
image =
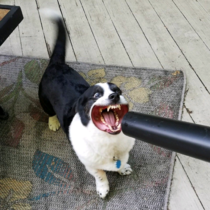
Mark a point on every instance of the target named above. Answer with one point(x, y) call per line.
point(97, 95)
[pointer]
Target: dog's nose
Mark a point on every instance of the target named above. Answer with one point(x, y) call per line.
point(114, 97)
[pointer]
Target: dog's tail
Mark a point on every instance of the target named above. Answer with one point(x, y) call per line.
point(59, 51)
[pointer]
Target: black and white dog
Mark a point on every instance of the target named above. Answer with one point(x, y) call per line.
point(90, 115)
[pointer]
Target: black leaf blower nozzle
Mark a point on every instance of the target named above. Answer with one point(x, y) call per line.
point(182, 137)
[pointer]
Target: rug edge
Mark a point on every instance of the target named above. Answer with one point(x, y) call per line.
point(100, 64)
point(173, 157)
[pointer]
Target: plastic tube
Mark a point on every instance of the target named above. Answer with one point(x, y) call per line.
point(182, 137)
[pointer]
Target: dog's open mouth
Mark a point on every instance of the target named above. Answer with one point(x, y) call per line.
point(109, 118)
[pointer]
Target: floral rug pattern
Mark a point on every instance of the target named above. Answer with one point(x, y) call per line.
point(38, 167)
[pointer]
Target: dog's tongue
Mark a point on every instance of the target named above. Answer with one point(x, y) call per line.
point(109, 118)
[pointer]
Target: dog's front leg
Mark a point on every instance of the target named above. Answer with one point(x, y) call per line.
point(102, 184)
point(126, 168)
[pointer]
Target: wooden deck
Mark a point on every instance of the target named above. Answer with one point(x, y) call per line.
point(169, 34)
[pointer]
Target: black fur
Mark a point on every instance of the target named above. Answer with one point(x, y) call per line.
point(61, 86)
point(64, 92)
point(3, 115)
point(114, 88)
point(86, 101)
point(59, 52)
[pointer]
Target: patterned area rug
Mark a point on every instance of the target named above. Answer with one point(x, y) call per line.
point(39, 169)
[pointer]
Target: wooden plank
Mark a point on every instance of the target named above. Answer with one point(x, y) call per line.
point(205, 4)
point(198, 18)
point(84, 44)
point(12, 45)
point(31, 34)
point(171, 57)
point(105, 34)
point(197, 171)
point(134, 41)
point(186, 116)
point(49, 28)
point(182, 196)
point(188, 40)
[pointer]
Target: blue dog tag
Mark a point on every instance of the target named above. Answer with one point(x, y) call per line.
point(118, 163)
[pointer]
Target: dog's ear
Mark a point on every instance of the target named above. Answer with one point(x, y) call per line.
point(81, 108)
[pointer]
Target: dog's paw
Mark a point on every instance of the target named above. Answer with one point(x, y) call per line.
point(126, 170)
point(53, 123)
point(102, 189)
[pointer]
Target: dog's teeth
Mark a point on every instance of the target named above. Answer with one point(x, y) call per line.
point(113, 107)
point(101, 109)
point(103, 121)
point(117, 118)
point(110, 127)
point(116, 107)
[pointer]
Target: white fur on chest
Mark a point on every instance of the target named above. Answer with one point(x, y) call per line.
point(96, 148)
